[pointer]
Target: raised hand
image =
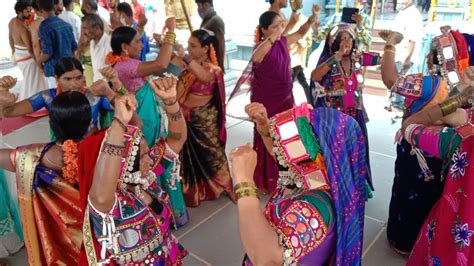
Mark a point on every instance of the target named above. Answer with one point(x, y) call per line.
point(7, 99)
point(158, 38)
point(315, 12)
point(100, 88)
point(125, 106)
point(244, 161)
point(170, 23)
point(165, 88)
point(7, 82)
point(257, 113)
point(358, 19)
point(110, 74)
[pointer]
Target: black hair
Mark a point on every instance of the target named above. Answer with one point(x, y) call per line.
point(271, 1)
point(206, 39)
point(121, 35)
point(337, 42)
point(266, 19)
point(21, 5)
point(34, 5)
point(92, 4)
point(66, 3)
point(205, 1)
point(67, 64)
point(46, 5)
point(125, 8)
point(70, 116)
point(93, 20)
point(56, 2)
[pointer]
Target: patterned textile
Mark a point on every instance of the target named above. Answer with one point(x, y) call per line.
point(45, 98)
point(343, 148)
point(445, 238)
point(363, 36)
point(49, 207)
point(11, 236)
point(204, 168)
point(412, 197)
point(57, 41)
point(127, 72)
point(153, 238)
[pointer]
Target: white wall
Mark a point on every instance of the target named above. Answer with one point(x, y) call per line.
point(6, 14)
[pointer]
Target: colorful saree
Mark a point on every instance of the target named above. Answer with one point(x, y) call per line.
point(415, 190)
point(149, 106)
point(205, 169)
point(11, 236)
point(445, 238)
point(318, 207)
point(151, 243)
point(49, 208)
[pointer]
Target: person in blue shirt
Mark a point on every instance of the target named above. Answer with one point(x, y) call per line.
point(56, 38)
point(70, 77)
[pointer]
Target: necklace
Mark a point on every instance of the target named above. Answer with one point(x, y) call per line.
point(347, 76)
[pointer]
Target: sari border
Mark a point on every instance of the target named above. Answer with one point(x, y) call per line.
point(27, 159)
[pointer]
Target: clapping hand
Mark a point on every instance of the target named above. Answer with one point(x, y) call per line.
point(165, 88)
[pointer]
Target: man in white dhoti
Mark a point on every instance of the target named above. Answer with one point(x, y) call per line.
point(22, 48)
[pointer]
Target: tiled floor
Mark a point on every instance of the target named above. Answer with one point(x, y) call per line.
point(212, 235)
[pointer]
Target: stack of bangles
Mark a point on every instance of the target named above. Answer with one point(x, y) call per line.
point(245, 189)
point(170, 38)
point(389, 48)
point(451, 105)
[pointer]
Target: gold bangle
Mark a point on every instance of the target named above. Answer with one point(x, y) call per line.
point(271, 41)
point(245, 194)
point(242, 189)
point(244, 184)
point(122, 91)
point(449, 106)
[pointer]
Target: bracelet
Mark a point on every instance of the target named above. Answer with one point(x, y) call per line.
point(311, 20)
point(175, 116)
point(113, 150)
point(122, 124)
point(449, 106)
point(332, 61)
point(390, 48)
point(187, 59)
point(122, 91)
point(245, 194)
point(244, 185)
point(170, 38)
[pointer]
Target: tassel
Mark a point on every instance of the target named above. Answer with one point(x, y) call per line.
point(423, 164)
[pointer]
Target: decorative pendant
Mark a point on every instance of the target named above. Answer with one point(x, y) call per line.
point(349, 82)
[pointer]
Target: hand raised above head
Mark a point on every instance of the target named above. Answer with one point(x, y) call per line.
point(99, 88)
point(165, 88)
point(125, 105)
point(170, 23)
point(244, 161)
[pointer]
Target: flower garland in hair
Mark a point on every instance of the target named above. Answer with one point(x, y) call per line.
point(70, 161)
point(258, 35)
point(213, 55)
